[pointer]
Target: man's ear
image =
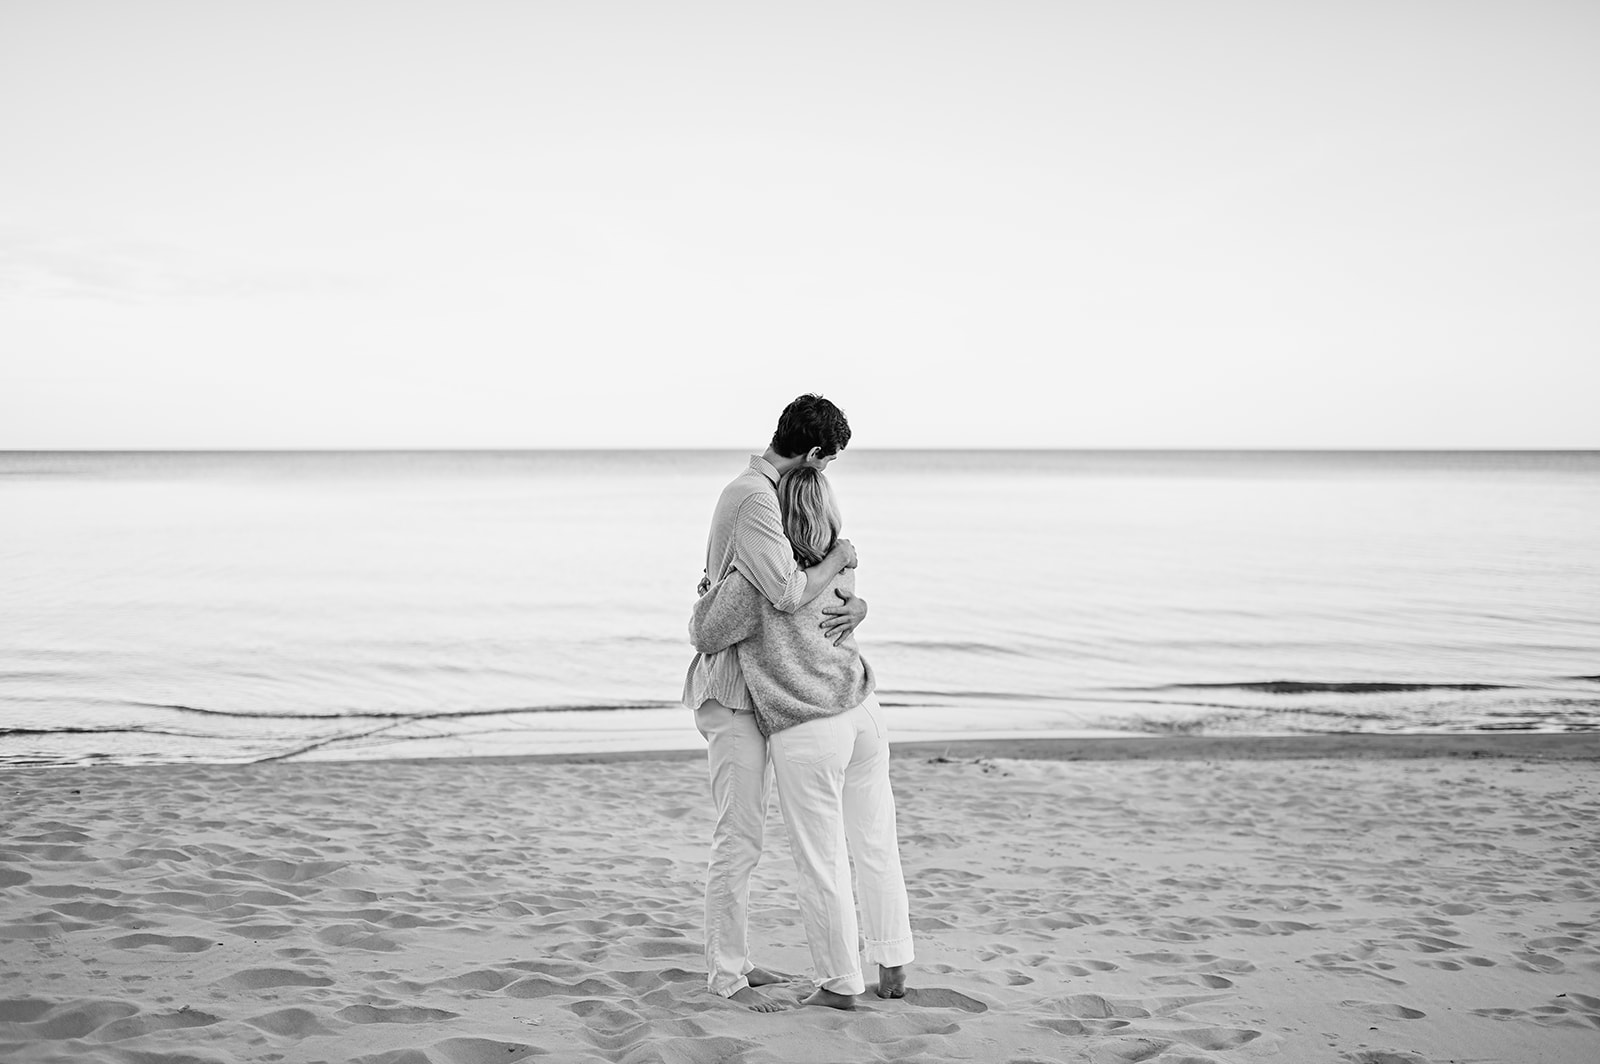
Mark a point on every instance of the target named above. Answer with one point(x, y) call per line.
point(814, 454)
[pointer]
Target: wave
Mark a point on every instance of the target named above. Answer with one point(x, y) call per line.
point(1300, 687)
point(992, 696)
point(957, 646)
point(110, 730)
point(904, 698)
point(400, 715)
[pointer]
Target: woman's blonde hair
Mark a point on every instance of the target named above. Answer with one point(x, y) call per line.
point(810, 514)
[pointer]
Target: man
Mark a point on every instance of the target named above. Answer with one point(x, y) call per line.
point(747, 534)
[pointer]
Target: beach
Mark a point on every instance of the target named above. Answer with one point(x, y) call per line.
point(1370, 900)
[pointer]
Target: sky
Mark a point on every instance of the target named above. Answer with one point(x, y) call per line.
point(485, 223)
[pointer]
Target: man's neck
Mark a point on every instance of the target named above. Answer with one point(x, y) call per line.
point(780, 463)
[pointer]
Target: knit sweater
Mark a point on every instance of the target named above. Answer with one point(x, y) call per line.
point(794, 672)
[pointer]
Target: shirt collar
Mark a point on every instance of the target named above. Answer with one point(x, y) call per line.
point(765, 468)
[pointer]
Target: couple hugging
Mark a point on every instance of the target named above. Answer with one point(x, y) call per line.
point(779, 680)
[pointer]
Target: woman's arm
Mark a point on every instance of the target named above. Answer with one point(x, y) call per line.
point(765, 556)
point(725, 614)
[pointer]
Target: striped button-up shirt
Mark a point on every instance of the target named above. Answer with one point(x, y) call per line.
point(747, 535)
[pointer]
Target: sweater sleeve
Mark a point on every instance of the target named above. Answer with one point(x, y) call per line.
point(725, 614)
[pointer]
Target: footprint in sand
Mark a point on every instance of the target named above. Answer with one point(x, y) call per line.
point(883, 1029)
point(1386, 1009)
point(1096, 1007)
point(289, 871)
point(355, 936)
point(74, 890)
point(1213, 1038)
point(351, 896)
point(1082, 967)
point(1210, 982)
point(23, 1010)
point(159, 853)
point(1558, 1015)
point(1584, 1001)
point(933, 997)
point(604, 1012)
point(267, 978)
point(1137, 1050)
point(290, 1023)
point(1431, 944)
point(653, 948)
point(170, 943)
point(647, 980)
point(484, 979)
point(78, 1019)
point(94, 910)
point(1498, 1014)
point(257, 932)
point(453, 1051)
point(555, 969)
point(146, 1023)
point(1172, 958)
point(1538, 962)
point(402, 1014)
point(538, 986)
point(1080, 1027)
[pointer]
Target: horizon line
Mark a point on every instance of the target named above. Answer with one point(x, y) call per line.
point(1152, 449)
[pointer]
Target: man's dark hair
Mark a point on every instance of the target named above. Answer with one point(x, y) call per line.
point(810, 421)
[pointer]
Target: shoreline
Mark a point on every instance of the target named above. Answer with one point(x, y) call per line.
point(1563, 746)
point(1579, 746)
point(1554, 746)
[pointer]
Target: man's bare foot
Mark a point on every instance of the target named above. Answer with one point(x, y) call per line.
point(892, 981)
point(762, 977)
point(755, 1001)
point(828, 999)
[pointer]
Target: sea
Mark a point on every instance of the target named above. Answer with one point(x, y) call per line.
point(243, 607)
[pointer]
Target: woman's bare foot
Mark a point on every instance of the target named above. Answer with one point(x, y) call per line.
point(828, 999)
point(892, 981)
point(755, 1001)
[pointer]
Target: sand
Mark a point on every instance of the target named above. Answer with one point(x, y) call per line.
point(1191, 904)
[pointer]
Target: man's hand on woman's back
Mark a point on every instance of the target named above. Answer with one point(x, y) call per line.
point(841, 618)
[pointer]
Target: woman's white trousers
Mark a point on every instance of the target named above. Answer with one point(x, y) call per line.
point(833, 786)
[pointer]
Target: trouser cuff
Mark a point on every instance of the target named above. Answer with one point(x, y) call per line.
point(890, 954)
point(727, 987)
point(845, 984)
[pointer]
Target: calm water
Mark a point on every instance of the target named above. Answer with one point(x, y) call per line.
point(245, 606)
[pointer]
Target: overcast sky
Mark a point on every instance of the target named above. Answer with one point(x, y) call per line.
point(1049, 224)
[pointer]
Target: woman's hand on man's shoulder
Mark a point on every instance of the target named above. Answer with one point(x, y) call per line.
point(848, 549)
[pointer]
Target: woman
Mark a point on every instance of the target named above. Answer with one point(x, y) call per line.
point(830, 754)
